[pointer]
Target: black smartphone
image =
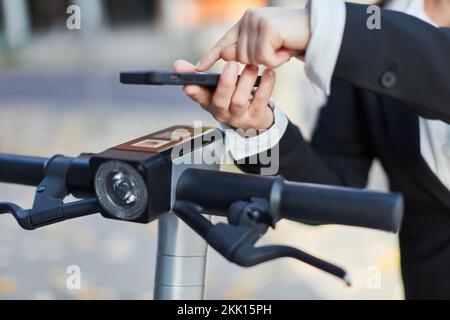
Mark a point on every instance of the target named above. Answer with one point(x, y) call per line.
point(172, 78)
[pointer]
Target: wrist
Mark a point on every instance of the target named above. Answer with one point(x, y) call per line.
point(267, 122)
point(298, 32)
point(253, 128)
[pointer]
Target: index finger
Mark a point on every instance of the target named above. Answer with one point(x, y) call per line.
point(213, 54)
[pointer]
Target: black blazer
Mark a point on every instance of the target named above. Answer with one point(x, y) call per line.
point(383, 80)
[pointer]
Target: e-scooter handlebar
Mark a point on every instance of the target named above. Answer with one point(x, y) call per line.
point(216, 191)
point(302, 202)
point(30, 171)
point(251, 203)
point(24, 170)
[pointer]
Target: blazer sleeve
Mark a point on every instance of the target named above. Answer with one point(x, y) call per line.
point(407, 59)
point(339, 152)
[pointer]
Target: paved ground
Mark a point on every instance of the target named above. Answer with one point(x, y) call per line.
point(71, 113)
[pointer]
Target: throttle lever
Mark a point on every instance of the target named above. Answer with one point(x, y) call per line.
point(236, 242)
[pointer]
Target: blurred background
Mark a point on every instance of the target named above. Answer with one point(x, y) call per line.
point(60, 94)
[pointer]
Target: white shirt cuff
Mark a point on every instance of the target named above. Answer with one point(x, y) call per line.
point(327, 30)
point(240, 147)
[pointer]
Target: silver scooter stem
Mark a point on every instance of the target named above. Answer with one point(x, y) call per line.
point(181, 253)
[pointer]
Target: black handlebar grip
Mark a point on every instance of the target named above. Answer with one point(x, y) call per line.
point(23, 170)
point(30, 171)
point(302, 202)
point(320, 204)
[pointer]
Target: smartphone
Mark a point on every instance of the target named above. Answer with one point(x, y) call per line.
point(172, 78)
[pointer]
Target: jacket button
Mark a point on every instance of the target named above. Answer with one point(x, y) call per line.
point(388, 79)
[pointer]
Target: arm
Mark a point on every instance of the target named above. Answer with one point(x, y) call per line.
point(416, 53)
point(352, 53)
point(413, 53)
point(339, 153)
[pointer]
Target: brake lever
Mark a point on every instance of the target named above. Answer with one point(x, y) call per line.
point(235, 242)
point(48, 205)
point(21, 215)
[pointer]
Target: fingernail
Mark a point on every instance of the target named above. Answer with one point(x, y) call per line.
point(252, 67)
point(270, 72)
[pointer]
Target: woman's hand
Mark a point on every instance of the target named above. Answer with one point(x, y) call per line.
point(234, 102)
point(267, 36)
